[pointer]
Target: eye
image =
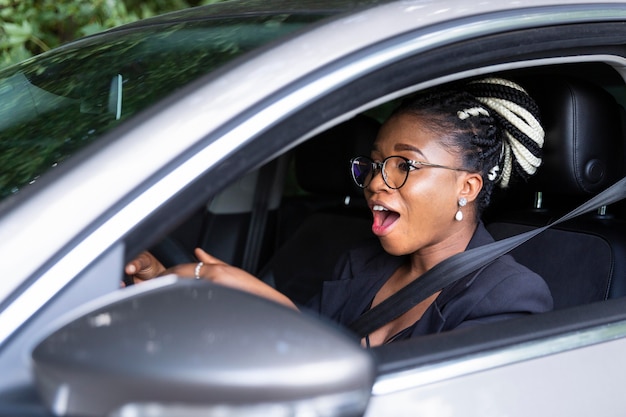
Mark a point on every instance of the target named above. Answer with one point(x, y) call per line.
point(405, 166)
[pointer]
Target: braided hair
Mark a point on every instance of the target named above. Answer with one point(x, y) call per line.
point(492, 122)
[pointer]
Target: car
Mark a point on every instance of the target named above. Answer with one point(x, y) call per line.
point(229, 127)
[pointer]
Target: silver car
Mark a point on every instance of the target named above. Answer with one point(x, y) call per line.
point(228, 127)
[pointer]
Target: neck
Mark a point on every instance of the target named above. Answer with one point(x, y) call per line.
point(426, 258)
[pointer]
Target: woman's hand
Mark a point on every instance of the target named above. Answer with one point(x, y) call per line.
point(144, 267)
point(221, 273)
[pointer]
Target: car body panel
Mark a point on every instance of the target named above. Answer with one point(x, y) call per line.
point(570, 383)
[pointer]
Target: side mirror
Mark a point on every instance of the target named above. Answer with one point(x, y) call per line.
point(192, 348)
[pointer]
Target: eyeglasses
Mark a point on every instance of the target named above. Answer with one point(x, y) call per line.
point(395, 170)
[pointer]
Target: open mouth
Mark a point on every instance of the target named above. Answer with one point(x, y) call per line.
point(383, 218)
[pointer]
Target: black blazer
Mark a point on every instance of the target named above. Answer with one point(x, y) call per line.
point(501, 290)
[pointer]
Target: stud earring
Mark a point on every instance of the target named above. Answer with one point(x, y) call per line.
point(459, 214)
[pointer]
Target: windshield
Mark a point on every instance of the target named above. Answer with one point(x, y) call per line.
point(57, 103)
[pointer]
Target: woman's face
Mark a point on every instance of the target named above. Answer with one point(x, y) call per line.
point(420, 215)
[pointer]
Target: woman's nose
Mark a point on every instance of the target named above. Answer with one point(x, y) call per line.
point(377, 183)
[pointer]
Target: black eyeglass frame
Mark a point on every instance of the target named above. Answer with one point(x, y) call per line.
point(380, 166)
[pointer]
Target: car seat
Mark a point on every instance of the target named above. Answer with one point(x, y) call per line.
point(317, 226)
point(582, 260)
point(235, 226)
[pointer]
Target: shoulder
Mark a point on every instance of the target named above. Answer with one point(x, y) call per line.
point(503, 289)
point(515, 285)
point(500, 290)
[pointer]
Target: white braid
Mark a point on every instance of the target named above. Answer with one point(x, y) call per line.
point(518, 116)
point(500, 81)
point(525, 158)
point(473, 111)
point(507, 169)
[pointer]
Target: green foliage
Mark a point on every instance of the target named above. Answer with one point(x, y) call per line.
point(29, 27)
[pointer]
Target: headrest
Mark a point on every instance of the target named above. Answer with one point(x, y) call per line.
point(322, 163)
point(583, 152)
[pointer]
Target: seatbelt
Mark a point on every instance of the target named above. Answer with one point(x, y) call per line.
point(462, 264)
point(258, 217)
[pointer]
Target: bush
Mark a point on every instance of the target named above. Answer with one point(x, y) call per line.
point(29, 27)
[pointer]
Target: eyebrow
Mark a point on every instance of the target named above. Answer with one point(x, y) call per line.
point(402, 147)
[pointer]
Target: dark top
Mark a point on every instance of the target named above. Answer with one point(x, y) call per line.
point(501, 290)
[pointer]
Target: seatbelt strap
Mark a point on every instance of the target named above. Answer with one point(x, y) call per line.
point(258, 218)
point(462, 264)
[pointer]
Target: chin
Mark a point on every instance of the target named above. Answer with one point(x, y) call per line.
point(392, 249)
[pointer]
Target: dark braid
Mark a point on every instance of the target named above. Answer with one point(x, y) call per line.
point(492, 123)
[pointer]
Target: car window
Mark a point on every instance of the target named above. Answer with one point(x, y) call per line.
point(58, 103)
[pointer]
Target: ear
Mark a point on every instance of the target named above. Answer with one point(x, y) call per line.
point(470, 185)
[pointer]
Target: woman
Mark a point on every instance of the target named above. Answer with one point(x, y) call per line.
point(439, 157)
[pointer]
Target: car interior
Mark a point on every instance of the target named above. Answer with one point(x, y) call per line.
point(289, 222)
